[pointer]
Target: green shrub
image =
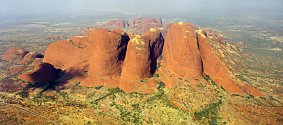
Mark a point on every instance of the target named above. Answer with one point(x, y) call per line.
point(209, 114)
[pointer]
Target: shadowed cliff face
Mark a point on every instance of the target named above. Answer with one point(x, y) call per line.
point(116, 59)
point(41, 73)
point(156, 42)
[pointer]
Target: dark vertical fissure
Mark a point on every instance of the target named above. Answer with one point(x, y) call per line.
point(201, 61)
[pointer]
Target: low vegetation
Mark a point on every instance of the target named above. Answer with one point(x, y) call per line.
point(209, 114)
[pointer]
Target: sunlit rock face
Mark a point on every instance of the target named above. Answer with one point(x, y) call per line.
point(142, 53)
point(137, 62)
point(69, 55)
point(108, 52)
point(188, 53)
point(213, 66)
point(181, 54)
point(217, 70)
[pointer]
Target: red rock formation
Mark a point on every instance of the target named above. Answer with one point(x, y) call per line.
point(214, 67)
point(137, 62)
point(28, 58)
point(156, 42)
point(13, 54)
point(135, 25)
point(108, 58)
point(217, 70)
point(117, 23)
point(142, 53)
point(107, 55)
point(253, 91)
point(41, 73)
point(157, 21)
point(188, 53)
point(143, 25)
point(72, 54)
point(181, 55)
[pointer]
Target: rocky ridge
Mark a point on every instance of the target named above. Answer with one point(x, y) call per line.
point(121, 59)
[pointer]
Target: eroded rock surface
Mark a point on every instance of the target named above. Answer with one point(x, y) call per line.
point(218, 71)
point(137, 62)
point(181, 54)
point(188, 53)
point(108, 52)
point(71, 54)
point(142, 53)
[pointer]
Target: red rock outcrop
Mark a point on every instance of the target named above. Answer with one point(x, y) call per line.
point(107, 55)
point(156, 41)
point(143, 25)
point(108, 58)
point(135, 25)
point(181, 54)
point(142, 53)
point(253, 91)
point(117, 23)
point(13, 54)
point(188, 53)
point(137, 62)
point(41, 73)
point(29, 57)
point(141, 61)
point(152, 21)
point(218, 71)
point(70, 55)
point(214, 67)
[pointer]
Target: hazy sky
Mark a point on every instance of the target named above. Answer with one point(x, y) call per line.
point(30, 7)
